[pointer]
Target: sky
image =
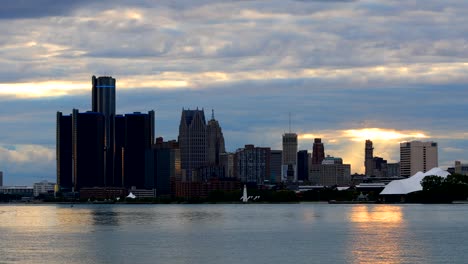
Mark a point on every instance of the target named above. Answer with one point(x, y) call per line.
point(390, 71)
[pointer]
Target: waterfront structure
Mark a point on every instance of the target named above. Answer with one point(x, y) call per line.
point(369, 158)
point(252, 164)
point(22, 191)
point(331, 172)
point(302, 165)
point(87, 149)
point(417, 156)
point(192, 141)
point(103, 101)
point(43, 187)
point(138, 166)
point(215, 141)
point(318, 151)
point(289, 164)
point(64, 151)
point(276, 159)
point(167, 166)
point(461, 168)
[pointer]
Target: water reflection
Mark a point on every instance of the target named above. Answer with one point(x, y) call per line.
point(378, 235)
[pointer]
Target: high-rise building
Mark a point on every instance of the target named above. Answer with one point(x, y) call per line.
point(215, 141)
point(137, 155)
point(192, 141)
point(64, 151)
point(103, 101)
point(302, 165)
point(289, 157)
point(227, 162)
point(167, 166)
point(1, 178)
point(393, 169)
point(87, 149)
point(460, 168)
point(252, 164)
point(318, 151)
point(369, 158)
point(331, 172)
point(417, 156)
point(276, 159)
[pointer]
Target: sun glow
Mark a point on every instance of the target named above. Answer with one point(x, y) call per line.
point(381, 134)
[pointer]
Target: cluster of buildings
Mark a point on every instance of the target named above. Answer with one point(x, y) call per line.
point(103, 154)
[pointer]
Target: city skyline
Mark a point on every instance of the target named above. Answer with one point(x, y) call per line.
point(347, 71)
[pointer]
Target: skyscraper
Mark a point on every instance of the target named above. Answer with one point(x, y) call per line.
point(318, 151)
point(276, 160)
point(103, 101)
point(215, 141)
point(192, 141)
point(289, 156)
point(369, 158)
point(1, 178)
point(252, 164)
point(417, 156)
point(87, 149)
point(64, 151)
point(302, 165)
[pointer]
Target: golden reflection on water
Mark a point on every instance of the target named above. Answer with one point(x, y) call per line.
point(377, 234)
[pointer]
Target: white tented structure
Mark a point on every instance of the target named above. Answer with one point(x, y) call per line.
point(411, 184)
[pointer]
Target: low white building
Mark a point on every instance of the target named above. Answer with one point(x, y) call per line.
point(43, 187)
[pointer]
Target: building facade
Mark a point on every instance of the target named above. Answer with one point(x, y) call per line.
point(252, 164)
point(332, 172)
point(215, 141)
point(192, 141)
point(276, 161)
point(369, 158)
point(417, 156)
point(1, 178)
point(43, 187)
point(64, 151)
point(289, 164)
point(318, 151)
point(461, 168)
point(302, 165)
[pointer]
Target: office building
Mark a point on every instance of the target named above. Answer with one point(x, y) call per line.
point(289, 164)
point(252, 164)
point(227, 162)
point(103, 101)
point(318, 151)
point(215, 141)
point(393, 169)
point(1, 178)
point(87, 149)
point(332, 172)
point(43, 187)
point(303, 165)
point(192, 141)
point(64, 151)
point(138, 165)
point(167, 166)
point(369, 158)
point(417, 156)
point(276, 160)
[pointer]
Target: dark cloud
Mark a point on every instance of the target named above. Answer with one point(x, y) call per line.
point(12, 9)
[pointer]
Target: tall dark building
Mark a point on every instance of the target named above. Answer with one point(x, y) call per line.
point(192, 141)
point(137, 160)
point(167, 166)
point(318, 151)
point(369, 158)
point(215, 141)
point(103, 101)
point(302, 165)
point(88, 134)
point(64, 151)
point(276, 159)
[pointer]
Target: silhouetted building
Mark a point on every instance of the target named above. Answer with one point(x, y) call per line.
point(379, 167)
point(368, 158)
point(192, 141)
point(103, 101)
point(138, 158)
point(417, 156)
point(64, 152)
point(87, 149)
point(252, 164)
point(276, 160)
point(167, 166)
point(289, 157)
point(1, 178)
point(215, 141)
point(393, 169)
point(318, 151)
point(302, 165)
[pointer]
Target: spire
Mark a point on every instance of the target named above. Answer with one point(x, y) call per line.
point(212, 114)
